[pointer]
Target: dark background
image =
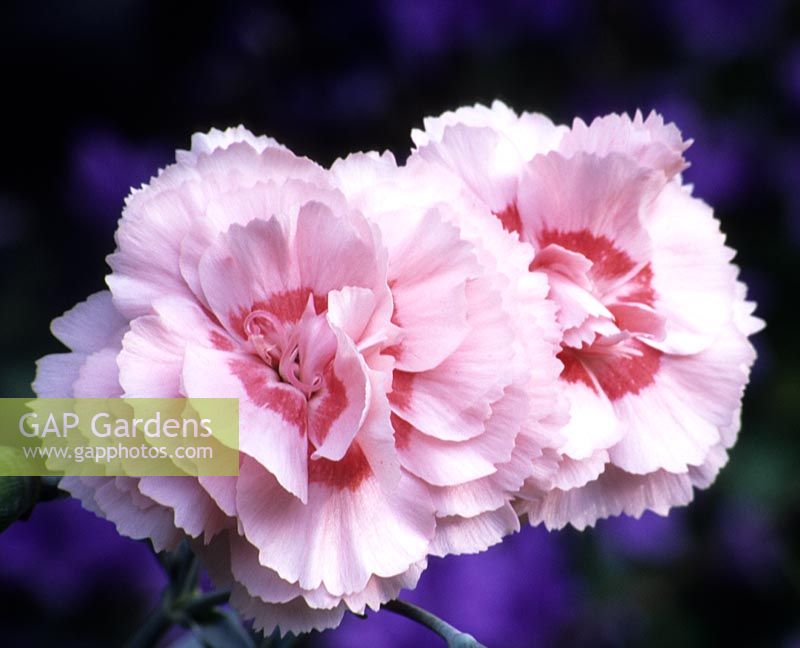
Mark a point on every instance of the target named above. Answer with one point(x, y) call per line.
point(97, 94)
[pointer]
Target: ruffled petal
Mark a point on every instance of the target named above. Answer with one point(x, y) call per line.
point(613, 493)
point(252, 265)
point(134, 515)
point(337, 411)
point(272, 416)
point(590, 205)
point(674, 423)
point(90, 325)
point(206, 143)
point(694, 281)
point(429, 267)
point(457, 535)
point(531, 133)
point(194, 511)
point(453, 401)
point(351, 528)
point(56, 373)
point(650, 142)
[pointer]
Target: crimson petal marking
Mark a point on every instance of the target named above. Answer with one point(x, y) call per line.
point(615, 375)
point(275, 396)
point(272, 415)
point(247, 265)
point(510, 219)
point(337, 411)
point(345, 474)
point(607, 261)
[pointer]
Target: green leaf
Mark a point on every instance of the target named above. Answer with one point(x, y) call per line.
point(17, 497)
point(219, 628)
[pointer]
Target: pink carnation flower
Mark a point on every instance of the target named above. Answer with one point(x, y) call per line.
point(654, 322)
point(389, 406)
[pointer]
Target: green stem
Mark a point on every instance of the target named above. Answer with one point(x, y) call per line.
point(453, 636)
point(181, 601)
point(205, 602)
point(153, 629)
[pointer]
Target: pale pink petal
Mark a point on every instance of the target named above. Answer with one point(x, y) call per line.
point(259, 202)
point(593, 423)
point(206, 143)
point(616, 491)
point(568, 264)
point(151, 360)
point(674, 423)
point(380, 590)
point(590, 205)
point(90, 325)
point(337, 411)
point(136, 517)
point(457, 535)
point(222, 490)
point(294, 616)
point(498, 117)
point(146, 264)
point(260, 581)
point(574, 473)
point(98, 376)
point(703, 476)
point(272, 415)
point(613, 493)
point(428, 271)
point(485, 160)
point(650, 141)
point(351, 528)
point(577, 306)
point(490, 493)
point(447, 463)
point(56, 373)
point(376, 436)
point(232, 563)
point(743, 312)
point(146, 267)
point(541, 478)
point(451, 463)
point(662, 431)
point(194, 511)
point(641, 319)
point(334, 252)
point(474, 497)
point(534, 320)
point(364, 316)
point(266, 198)
point(453, 401)
point(693, 278)
point(241, 166)
point(531, 133)
point(252, 265)
point(529, 460)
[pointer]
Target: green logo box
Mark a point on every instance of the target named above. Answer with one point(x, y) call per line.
point(133, 437)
